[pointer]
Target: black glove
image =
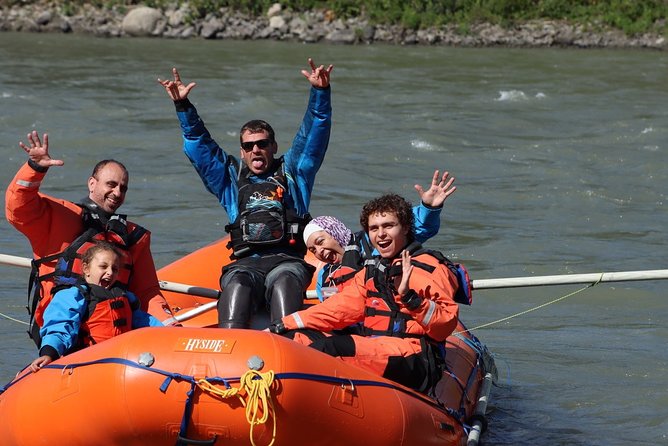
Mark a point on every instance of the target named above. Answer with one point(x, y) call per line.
point(278, 328)
point(49, 351)
point(37, 168)
point(412, 300)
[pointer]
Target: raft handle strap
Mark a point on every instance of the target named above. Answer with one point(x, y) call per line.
point(182, 440)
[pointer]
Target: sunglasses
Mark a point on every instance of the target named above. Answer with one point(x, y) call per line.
point(261, 143)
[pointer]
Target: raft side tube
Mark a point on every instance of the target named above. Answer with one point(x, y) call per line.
point(317, 399)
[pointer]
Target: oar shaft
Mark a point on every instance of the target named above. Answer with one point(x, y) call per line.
point(189, 289)
point(194, 312)
point(478, 284)
point(23, 262)
point(569, 279)
point(207, 292)
point(6, 259)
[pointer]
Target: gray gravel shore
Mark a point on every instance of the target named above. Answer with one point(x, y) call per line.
point(309, 27)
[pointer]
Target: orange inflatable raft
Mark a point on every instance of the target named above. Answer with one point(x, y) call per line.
point(207, 386)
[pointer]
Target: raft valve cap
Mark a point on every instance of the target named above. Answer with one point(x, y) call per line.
point(146, 359)
point(255, 363)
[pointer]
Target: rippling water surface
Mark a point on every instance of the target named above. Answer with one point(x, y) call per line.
point(559, 156)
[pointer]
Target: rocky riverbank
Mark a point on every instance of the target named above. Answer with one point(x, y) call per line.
point(309, 27)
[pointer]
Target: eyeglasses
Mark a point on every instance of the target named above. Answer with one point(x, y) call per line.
point(261, 143)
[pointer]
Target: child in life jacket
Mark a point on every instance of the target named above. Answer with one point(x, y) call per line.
point(90, 310)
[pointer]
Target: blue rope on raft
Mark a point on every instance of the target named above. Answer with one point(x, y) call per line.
point(171, 376)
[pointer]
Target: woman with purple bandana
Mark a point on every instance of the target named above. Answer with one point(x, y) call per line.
point(345, 252)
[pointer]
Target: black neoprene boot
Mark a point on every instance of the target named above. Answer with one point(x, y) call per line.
point(236, 303)
point(286, 297)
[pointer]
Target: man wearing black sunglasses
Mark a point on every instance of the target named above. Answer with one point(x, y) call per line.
point(266, 199)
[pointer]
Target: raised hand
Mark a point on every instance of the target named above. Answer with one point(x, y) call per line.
point(318, 76)
point(440, 190)
point(406, 270)
point(38, 151)
point(176, 89)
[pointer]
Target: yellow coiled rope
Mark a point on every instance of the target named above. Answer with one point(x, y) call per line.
point(258, 403)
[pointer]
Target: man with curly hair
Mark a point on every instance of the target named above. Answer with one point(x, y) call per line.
point(404, 302)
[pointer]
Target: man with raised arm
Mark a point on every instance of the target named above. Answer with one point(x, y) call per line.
point(59, 231)
point(266, 199)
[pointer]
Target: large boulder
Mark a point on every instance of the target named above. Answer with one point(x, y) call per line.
point(141, 21)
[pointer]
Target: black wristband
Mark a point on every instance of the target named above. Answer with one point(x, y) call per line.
point(49, 351)
point(36, 167)
point(412, 300)
point(432, 207)
point(183, 105)
point(278, 328)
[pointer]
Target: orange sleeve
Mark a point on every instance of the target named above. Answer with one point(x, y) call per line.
point(438, 312)
point(144, 281)
point(50, 224)
point(25, 208)
point(338, 311)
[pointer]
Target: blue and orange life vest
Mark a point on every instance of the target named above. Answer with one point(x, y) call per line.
point(108, 313)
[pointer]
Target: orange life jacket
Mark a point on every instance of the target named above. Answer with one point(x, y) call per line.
point(383, 315)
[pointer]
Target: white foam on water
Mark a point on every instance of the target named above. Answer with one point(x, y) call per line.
point(511, 96)
point(422, 145)
point(518, 95)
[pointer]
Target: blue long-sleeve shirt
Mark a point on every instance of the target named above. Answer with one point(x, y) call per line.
point(64, 315)
point(219, 170)
point(427, 221)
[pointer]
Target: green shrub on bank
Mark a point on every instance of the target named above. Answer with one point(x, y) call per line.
point(631, 16)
